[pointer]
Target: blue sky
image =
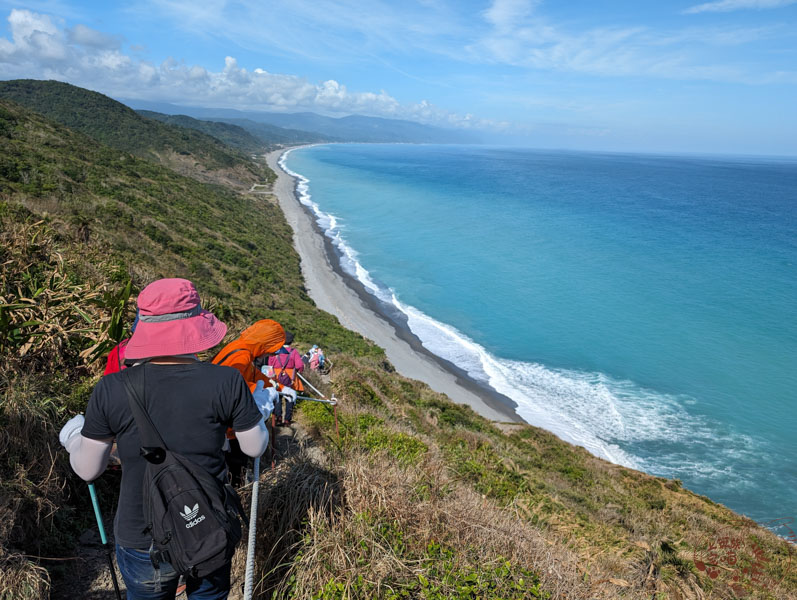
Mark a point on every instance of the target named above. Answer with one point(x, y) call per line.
point(678, 76)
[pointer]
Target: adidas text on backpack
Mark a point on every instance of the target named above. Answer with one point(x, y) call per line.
point(192, 516)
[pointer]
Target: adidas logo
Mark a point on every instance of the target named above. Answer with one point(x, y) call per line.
point(189, 513)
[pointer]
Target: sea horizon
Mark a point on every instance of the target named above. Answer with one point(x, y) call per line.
point(632, 416)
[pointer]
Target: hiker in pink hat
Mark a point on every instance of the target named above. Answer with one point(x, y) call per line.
point(190, 404)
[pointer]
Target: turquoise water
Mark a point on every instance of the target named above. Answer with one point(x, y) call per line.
point(641, 306)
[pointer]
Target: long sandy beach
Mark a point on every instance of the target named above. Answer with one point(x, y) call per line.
point(337, 293)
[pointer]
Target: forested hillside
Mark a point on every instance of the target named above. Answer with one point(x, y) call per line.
point(242, 133)
point(232, 135)
point(407, 496)
point(115, 125)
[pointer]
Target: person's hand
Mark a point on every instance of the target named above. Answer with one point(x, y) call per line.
point(264, 398)
point(290, 394)
point(71, 431)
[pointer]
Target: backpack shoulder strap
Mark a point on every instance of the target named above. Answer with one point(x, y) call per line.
point(228, 355)
point(284, 366)
point(133, 379)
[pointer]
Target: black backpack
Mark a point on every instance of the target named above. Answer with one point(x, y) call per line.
point(192, 516)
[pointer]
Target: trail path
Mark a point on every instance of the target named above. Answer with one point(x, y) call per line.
point(260, 188)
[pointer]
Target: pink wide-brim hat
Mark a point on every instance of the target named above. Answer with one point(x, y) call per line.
point(171, 321)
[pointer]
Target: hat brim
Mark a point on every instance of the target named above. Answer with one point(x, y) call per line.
point(169, 338)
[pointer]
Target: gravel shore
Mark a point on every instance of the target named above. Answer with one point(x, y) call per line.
point(337, 293)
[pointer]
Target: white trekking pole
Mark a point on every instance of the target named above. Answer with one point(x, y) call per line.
point(249, 576)
point(315, 389)
point(250, 550)
point(333, 402)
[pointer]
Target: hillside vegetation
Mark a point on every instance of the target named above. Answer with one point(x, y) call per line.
point(410, 496)
point(244, 134)
point(232, 135)
point(115, 125)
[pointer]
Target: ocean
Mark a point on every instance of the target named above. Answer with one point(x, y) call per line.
point(641, 306)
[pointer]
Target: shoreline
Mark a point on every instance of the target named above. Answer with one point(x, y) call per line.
point(337, 292)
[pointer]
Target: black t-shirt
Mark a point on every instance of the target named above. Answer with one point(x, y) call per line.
point(191, 405)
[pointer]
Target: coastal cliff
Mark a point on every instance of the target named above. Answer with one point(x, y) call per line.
point(402, 494)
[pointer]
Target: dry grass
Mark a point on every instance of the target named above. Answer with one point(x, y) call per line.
point(32, 488)
point(47, 318)
point(20, 579)
point(289, 495)
point(590, 529)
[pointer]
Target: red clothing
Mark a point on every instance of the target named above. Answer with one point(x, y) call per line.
point(115, 361)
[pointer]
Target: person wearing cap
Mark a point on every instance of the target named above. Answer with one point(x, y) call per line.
point(190, 402)
point(286, 364)
point(316, 357)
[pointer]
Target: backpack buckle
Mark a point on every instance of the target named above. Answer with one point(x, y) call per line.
point(153, 454)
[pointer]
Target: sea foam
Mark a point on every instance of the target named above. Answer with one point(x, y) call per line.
point(590, 410)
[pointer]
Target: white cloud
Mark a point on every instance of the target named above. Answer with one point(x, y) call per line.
point(85, 36)
point(506, 13)
point(389, 35)
point(731, 5)
point(519, 37)
point(41, 47)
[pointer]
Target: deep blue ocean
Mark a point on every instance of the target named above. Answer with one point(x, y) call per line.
point(642, 306)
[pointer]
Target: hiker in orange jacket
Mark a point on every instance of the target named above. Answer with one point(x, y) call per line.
point(254, 345)
point(246, 354)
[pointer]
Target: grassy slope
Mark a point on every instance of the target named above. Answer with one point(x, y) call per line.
point(418, 498)
point(115, 125)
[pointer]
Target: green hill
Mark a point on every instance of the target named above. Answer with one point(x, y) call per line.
point(117, 126)
point(231, 135)
point(401, 494)
point(278, 135)
point(241, 133)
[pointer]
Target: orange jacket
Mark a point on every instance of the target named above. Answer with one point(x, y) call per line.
point(264, 337)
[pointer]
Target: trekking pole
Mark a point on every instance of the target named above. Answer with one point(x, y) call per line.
point(103, 539)
point(315, 389)
point(273, 440)
point(333, 402)
point(250, 550)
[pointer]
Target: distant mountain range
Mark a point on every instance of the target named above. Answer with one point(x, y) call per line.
point(243, 134)
point(354, 128)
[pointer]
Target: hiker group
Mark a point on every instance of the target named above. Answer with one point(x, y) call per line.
point(184, 431)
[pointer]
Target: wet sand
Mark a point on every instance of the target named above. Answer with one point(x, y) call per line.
point(336, 292)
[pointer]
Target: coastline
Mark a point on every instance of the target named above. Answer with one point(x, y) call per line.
point(336, 292)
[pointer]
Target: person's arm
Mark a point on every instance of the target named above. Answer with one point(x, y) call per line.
point(89, 457)
point(253, 441)
point(245, 413)
point(89, 439)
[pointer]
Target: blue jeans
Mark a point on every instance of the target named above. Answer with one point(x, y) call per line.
point(145, 582)
point(288, 409)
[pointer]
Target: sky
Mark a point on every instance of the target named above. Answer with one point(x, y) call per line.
point(717, 77)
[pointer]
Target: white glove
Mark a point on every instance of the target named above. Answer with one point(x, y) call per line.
point(265, 398)
point(289, 394)
point(70, 432)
